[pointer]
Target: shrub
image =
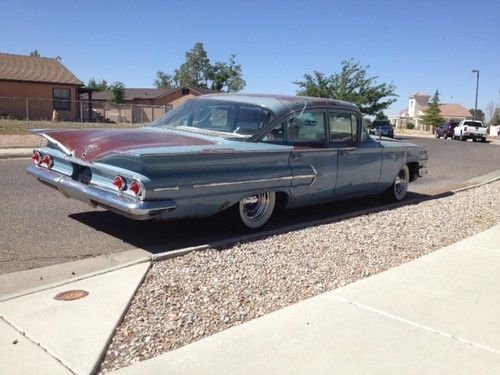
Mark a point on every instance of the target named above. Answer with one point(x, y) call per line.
point(410, 125)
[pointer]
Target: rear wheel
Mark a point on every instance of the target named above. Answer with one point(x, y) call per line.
point(445, 136)
point(437, 135)
point(255, 211)
point(397, 191)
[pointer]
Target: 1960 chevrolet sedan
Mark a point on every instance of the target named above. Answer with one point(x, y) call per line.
point(248, 154)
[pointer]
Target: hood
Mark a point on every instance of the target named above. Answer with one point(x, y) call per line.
point(92, 144)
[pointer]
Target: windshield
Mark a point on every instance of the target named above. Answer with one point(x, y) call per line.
point(216, 117)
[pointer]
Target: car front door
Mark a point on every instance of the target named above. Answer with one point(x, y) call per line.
point(359, 155)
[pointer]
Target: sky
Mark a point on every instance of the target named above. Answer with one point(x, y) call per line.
point(418, 45)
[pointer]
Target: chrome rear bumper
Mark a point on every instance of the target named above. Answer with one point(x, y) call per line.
point(96, 196)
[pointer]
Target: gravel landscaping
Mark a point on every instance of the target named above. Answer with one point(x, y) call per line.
point(187, 298)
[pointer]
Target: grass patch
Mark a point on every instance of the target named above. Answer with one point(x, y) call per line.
point(22, 126)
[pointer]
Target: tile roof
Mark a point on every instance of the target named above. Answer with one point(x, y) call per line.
point(419, 93)
point(453, 110)
point(131, 94)
point(35, 69)
point(145, 93)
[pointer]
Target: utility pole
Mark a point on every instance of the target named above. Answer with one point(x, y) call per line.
point(477, 88)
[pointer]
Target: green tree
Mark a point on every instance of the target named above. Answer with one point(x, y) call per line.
point(227, 76)
point(352, 84)
point(432, 114)
point(98, 86)
point(479, 114)
point(198, 71)
point(380, 115)
point(118, 91)
point(164, 80)
point(35, 53)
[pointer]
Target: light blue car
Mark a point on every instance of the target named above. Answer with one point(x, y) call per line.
point(248, 155)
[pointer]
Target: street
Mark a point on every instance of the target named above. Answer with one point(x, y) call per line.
point(39, 227)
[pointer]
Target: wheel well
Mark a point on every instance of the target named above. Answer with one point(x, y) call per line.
point(413, 167)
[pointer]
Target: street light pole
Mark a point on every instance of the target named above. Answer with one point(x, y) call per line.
point(477, 88)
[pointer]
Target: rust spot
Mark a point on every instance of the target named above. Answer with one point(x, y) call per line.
point(71, 295)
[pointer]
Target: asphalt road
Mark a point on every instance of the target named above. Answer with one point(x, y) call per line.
point(39, 227)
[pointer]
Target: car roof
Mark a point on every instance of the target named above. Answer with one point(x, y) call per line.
point(281, 104)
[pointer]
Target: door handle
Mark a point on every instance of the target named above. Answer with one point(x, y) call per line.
point(295, 156)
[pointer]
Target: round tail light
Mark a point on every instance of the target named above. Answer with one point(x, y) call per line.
point(120, 183)
point(36, 157)
point(48, 161)
point(137, 188)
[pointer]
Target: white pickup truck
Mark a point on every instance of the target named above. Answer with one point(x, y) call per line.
point(470, 129)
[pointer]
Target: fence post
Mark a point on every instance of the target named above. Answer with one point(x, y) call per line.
point(27, 110)
point(81, 111)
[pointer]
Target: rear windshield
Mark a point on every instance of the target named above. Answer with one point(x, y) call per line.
point(381, 124)
point(473, 123)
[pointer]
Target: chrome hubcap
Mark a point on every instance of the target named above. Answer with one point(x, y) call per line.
point(256, 206)
point(400, 183)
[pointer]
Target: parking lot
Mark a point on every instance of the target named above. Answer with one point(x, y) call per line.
point(40, 227)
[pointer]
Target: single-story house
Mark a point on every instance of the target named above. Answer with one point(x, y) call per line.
point(34, 87)
point(143, 104)
point(418, 102)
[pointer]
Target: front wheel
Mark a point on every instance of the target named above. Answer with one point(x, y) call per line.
point(437, 135)
point(255, 211)
point(397, 191)
point(445, 136)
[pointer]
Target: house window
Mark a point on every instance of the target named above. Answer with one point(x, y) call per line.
point(62, 99)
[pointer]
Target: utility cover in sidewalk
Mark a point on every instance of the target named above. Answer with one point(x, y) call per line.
point(71, 295)
point(76, 332)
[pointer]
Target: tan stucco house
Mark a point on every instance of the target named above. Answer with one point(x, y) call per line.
point(418, 102)
point(33, 87)
point(144, 104)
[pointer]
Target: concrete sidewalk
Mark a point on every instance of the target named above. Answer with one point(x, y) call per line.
point(436, 314)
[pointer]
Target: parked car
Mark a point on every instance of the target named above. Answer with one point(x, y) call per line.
point(470, 129)
point(382, 127)
point(247, 155)
point(446, 130)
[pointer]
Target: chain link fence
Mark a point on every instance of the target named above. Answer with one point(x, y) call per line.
point(35, 109)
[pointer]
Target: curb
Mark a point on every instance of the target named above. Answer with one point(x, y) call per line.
point(15, 153)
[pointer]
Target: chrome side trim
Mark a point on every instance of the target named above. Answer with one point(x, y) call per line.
point(96, 196)
point(168, 188)
point(315, 174)
point(229, 183)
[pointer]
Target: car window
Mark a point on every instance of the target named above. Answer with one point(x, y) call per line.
point(215, 117)
point(276, 135)
point(343, 127)
point(307, 126)
point(365, 134)
point(250, 119)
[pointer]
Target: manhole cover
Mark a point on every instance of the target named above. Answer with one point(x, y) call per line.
point(71, 295)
